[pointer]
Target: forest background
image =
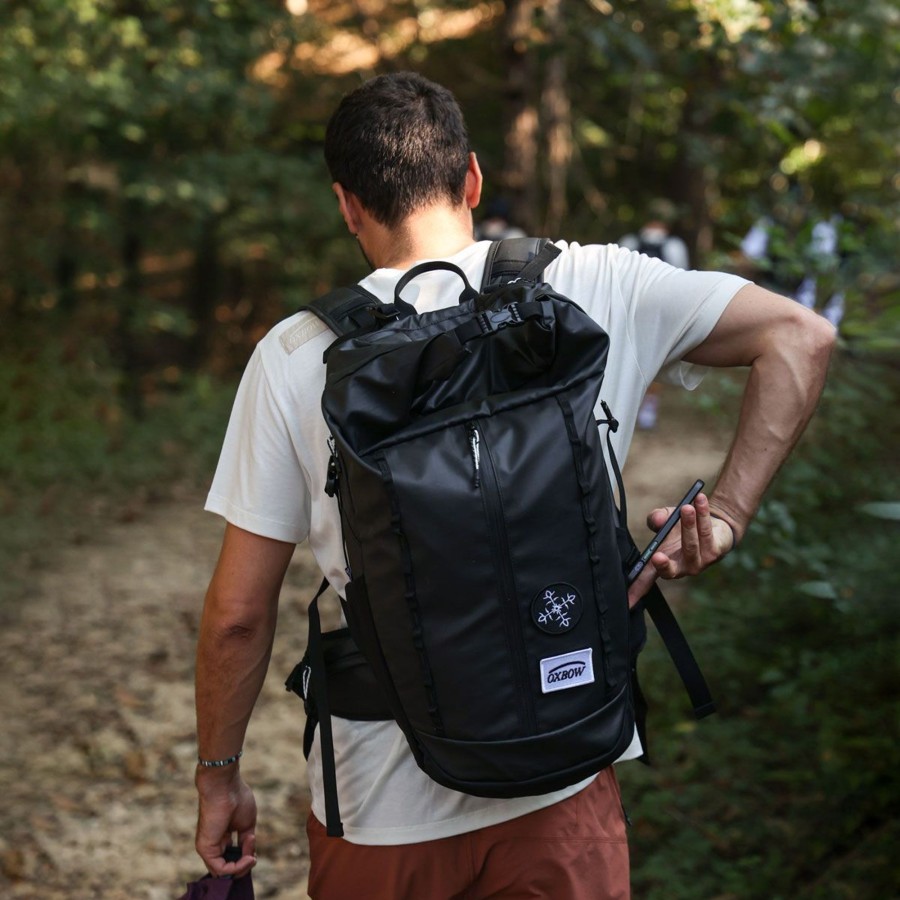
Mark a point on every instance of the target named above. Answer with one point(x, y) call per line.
point(164, 201)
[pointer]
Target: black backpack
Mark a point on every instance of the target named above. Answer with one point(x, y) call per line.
point(486, 605)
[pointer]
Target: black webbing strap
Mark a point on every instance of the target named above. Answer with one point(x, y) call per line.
point(445, 350)
point(490, 321)
point(680, 651)
point(345, 309)
point(351, 310)
point(524, 258)
point(333, 825)
point(656, 605)
point(533, 270)
point(612, 426)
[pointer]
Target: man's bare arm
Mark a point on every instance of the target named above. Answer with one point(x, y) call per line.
point(787, 349)
point(236, 633)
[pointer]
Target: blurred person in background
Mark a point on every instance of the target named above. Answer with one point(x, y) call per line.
point(802, 266)
point(496, 225)
point(656, 240)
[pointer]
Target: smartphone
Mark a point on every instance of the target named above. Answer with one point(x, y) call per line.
point(663, 532)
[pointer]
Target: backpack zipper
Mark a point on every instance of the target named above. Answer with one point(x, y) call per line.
point(486, 479)
point(475, 448)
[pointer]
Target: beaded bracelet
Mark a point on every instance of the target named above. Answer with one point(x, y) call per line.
point(219, 763)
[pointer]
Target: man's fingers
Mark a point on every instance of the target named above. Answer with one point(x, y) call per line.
point(214, 858)
point(658, 517)
point(247, 841)
point(664, 566)
point(705, 526)
point(643, 582)
point(660, 566)
point(694, 543)
point(690, 540)
point(240, 868)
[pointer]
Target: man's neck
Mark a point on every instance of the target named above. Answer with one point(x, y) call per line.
point(434, 232)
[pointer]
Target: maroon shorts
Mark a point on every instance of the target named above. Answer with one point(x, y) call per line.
point(573, 850)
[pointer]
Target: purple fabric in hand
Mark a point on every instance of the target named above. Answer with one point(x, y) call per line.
point(209, 888)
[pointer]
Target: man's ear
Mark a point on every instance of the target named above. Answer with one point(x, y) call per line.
point(474, 181)
point(349, 207)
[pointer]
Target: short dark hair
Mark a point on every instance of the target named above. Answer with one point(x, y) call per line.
point(398, 142)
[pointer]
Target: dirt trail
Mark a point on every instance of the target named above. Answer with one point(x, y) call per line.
point(97, 745)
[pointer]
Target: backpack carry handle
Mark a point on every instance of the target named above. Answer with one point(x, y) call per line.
point(469, 293)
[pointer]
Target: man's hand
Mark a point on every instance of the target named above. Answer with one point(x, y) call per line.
point(695, 543)
point(227, 805)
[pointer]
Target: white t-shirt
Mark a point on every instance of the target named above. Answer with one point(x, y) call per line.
point(271, 478)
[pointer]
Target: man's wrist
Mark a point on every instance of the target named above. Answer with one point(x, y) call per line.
point(213, 776)
point(220, 763)
point(730, 528)
point(721, 511)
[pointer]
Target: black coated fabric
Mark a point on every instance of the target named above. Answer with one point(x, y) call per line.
point(508, 259)
point(466, 497)
point(485, 551)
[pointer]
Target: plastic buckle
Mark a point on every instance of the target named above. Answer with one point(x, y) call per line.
point(387, 312)
point(492, 320)
point(610, 419)
point(333, 475)
point(298, 681)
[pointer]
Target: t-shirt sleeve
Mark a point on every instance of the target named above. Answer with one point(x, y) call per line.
point(670, 311)
point(260, 484)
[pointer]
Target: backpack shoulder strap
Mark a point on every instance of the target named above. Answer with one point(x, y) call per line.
point(524, 258)
point(345, 309)
point(352, 310)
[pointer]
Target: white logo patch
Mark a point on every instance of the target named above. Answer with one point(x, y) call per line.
point(567, 670)
point(301, 332)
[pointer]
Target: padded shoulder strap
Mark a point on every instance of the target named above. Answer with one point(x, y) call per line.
point(351, 311)
point(511, 258)
point(345, 309)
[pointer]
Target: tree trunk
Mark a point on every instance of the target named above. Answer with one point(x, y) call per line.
point(519, 179)
point(557, 114)
point(204, 286)
point(130, 298)
point(694, 184)
point(697, 190)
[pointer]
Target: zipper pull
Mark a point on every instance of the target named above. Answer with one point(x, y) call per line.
point(475, 447)
point(334, 470)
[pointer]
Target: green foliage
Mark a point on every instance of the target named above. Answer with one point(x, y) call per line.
point(71, 455)
point(790, 789)
point(129, 142)
point(736, 110)
point(62, 421)
point(135, 133)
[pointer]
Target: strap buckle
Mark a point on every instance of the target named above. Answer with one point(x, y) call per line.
point(385, 312)
point(334, 470)
point(610, 419)
point(492, 320)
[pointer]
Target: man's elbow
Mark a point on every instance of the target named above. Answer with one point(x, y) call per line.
point(810, 336)
point(233, 617)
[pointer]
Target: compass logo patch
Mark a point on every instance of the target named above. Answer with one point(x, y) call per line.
point(557, 609)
